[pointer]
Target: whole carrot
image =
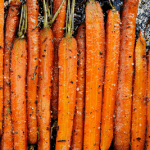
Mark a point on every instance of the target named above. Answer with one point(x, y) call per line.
point(45, 78)
point(32, 76)
point(67, 54)
point(44, 92)
point(139, 96)
point(58, 33)
point(77, 138)
point(148, 107)
point(111, 76)
point(12, 22)
point(95, 53)
point(124, 91)
point(18, 86)
point(1, 60)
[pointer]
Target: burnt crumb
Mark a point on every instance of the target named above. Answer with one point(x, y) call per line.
point(35, 58)
point(100, 53)
point(35, 101)
point(12, 91)
point(19, 76)
point(71, 82)
point(130, 56)
point(43, 55)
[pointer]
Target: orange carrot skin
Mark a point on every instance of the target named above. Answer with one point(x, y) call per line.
point(1, 61)
point(44, 92)
point(77, 138)
point(58, 32)
point(95, 53)
point(32, 74)
point(18, 93)
point(12, 23)
point(67, 53)
point(148, 108)
point(111, 76)
point(124, 91)
point(139, 96)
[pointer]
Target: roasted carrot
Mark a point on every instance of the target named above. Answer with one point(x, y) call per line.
point(45, 78)
point(95, 53)
point(67, 54)
point(124, 90)
point(44, 92)
point(12, 22)
point(148, 107)
point(77, 138)
point(111, 76)
point(18, 85)
point(1, 61)
point(32, 76)
point(58, 33)
point(139, 96)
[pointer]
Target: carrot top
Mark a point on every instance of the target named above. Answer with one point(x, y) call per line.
point(23, 22)
point(48, 19)
point(113, 8)
point(70, 18)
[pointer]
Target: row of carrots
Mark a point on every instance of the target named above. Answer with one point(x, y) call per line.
point(87, 81)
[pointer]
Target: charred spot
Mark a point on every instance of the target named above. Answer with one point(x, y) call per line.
point(144, 56)
point(71, 82)
point(1, 87)
point(138, 138)
point(47, 128)
point(61, 141)
point(100, 53)
point(44, 40)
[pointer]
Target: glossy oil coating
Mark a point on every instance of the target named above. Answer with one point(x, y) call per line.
point(32, 74)
point(139, 96)
point(1, 60)
point(12, 22)
point(95, 54)
point(67, 53)
point(44, 92)
point(77, 137)
point(111, 76)
point(18, 93)
point(124, 90)
point(58, 31)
